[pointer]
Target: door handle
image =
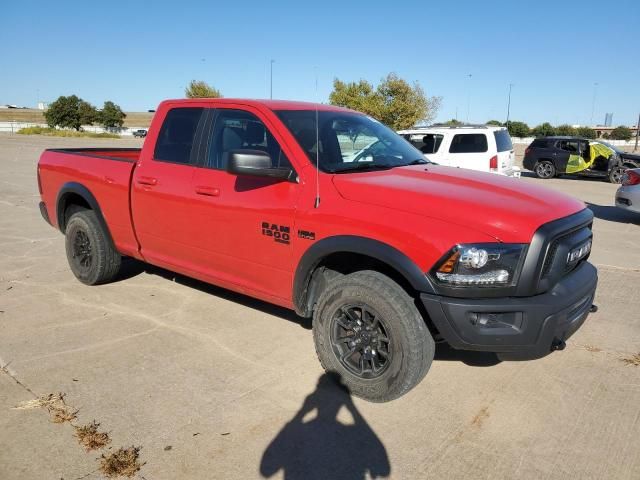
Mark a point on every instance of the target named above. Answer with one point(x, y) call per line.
point(208, 191)
point(147, 180)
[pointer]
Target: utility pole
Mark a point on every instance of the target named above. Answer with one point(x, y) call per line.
point(509, 104)
point(593, 103)
point(637, 133)
point(271, 82)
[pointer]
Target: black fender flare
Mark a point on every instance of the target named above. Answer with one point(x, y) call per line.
point(82, 191)
point(380, 251)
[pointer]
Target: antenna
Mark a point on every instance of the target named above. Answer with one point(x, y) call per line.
point(317, 201)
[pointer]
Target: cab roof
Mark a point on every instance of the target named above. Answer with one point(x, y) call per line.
point(270, 104)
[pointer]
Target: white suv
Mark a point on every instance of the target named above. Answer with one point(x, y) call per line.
point(477, 147)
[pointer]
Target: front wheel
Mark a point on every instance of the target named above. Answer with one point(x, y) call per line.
point(545, 169)
point(367, 329)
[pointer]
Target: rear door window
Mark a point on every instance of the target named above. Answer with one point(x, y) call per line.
point(571, 146)
point(177, 136)
point(469, 143)
point(503, 140)
point(429, 143)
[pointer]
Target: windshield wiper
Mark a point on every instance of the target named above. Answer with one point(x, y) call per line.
point(418, 161)
point(363, 166)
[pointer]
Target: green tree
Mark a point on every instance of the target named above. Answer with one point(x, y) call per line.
point(518, 129)
point(112, 115)
point(621, 133)
point(88, 113)
point(360, 96)
point(544, 130)
point(394, 101)
point(201, 89)
point(496, 123)
point(453, 122)
point(64, 113)
point(566, 130)
point(586, 132)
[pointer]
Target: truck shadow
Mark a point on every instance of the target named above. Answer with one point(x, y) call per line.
point(614, 214)
point(321, 446)
point(132, 268)
point(473, 359)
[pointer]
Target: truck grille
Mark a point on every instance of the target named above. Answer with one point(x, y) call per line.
point(567, 241)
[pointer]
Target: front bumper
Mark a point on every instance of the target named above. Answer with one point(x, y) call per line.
point(514, 172)
point(518, 328)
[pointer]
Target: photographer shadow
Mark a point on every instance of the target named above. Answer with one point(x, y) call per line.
point(323, 447)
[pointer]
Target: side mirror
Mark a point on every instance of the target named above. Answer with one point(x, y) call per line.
point(255, 163)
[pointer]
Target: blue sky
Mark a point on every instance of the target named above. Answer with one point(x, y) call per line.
point(139, 53)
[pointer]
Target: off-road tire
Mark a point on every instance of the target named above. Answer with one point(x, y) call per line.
point(411, 343)
point(545, 169)
point(104, 262)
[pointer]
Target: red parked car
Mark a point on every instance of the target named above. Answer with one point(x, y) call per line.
point(325, 211)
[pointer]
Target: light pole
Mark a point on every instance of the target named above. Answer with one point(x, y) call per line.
point(509, 104)
point(271, 82)
point(468, 97)
point(637, 133)
point(593, 102)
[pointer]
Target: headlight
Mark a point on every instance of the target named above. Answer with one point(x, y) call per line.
point(480, 265)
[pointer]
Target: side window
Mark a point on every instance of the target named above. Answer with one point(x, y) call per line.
point(237, 130)
point(429, 143)
point(469, 143)
point(569, 146)
point(177, 134)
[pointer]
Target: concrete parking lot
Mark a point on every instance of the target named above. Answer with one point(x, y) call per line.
point(211, 384)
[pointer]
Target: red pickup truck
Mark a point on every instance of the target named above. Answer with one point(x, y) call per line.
point(326, 211)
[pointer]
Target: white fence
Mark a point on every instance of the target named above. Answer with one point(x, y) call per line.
point(13, 127)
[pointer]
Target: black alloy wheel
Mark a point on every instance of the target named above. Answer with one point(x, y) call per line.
point(360, 340)
point(82, 255)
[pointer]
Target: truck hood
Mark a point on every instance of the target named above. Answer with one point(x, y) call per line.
point(507, 209)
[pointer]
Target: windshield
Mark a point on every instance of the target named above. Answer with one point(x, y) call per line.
point(348, 141)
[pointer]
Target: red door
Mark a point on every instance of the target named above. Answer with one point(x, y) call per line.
point(246, 223)
point(162, 192)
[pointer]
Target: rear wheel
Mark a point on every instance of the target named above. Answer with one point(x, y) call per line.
point(368, 330)
point(545, 169)
point(90, 253)
point(616, 173)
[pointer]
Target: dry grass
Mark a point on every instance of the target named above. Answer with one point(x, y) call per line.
point(53, 132)
point(633, 360)
point(592, 348)
point(124, 462)
point(480, 417)
point(54, 403)
point(90, 438)
point(133, 119)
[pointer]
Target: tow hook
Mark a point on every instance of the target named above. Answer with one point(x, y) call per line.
point(594, 308)
point(558, 345)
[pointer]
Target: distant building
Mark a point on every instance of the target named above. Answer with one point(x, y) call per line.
point(608, 119)
point(601, 131)
point(42, 106)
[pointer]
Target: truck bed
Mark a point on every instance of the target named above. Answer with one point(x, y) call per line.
point(120, 154)
point(105, 173)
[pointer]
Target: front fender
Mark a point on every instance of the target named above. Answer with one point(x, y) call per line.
point(380, 251)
